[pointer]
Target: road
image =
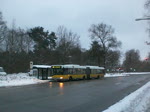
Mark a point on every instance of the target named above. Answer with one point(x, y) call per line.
point(76, 96)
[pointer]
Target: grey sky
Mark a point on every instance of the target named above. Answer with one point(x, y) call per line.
point(78, 15)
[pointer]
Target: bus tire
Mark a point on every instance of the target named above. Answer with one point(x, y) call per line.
point(70, 78)
point(102, 77)
point(98, 77)
point(83, 78)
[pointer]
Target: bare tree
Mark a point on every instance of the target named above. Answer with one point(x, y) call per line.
point(17, 40)
point(96, 54)
point(66, 36)
point(147, 4)
point(113, 59)
point(3, 30)
point(103, 33)
point(132, 60)
point(67, 40)
point(28, 42)
point(24, 42)
point(11, 39)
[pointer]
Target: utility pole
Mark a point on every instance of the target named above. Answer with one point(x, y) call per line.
point(139, 19)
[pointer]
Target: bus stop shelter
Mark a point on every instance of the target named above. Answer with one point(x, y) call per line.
point(41, 71)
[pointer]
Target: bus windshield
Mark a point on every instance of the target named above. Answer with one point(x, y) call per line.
point(57, 71)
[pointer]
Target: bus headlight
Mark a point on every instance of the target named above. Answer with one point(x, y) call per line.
point(50, 77)
point(61, 77)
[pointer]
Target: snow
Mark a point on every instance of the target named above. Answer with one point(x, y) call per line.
point(18, 80)
point(41, 66)
point(115, 74)
point(125, 74)
point(138, 101)
point(137, 73)
point(2, 73)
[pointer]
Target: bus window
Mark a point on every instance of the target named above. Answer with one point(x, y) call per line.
point(73, 71)
point(66, 71)
point(98, 71)
point(83, 71)
point(70, 71)
point(76, 71)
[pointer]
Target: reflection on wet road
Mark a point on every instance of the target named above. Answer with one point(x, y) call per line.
point(75, 96)
point(61, 87)
point(51, 84)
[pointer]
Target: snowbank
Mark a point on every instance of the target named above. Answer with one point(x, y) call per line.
point(18, 79)
point(138, 101)
point(137, 73)
point(115, 74)
point(125, 74)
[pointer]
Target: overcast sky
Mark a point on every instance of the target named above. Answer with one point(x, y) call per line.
point(78, 15)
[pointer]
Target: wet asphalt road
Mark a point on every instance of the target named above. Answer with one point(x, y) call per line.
point(76, 96)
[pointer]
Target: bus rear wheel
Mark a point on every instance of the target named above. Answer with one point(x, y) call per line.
point(98, 77)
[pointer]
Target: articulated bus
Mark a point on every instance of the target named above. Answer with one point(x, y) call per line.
point(73, 72)
point(66, 72)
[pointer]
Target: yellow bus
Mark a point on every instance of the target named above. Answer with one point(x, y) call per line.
point(95, 72)
point(74, 72)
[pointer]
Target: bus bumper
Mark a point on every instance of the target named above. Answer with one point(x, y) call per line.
point(59, 79)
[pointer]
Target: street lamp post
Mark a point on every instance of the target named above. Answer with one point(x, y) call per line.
point(139, 19)
point(146, 18)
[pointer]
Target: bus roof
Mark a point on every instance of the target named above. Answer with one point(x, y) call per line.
point(70, 66)
point(73, 66)
point(78, 66)
point(95, 67)
point(41, 66)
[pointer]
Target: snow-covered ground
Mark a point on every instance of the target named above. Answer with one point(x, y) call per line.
point(24, 79)
point(18, 80)
point(115, 74)
point(125, 74)
point(138, 101)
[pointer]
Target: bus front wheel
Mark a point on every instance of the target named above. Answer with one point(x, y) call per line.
point(83, 78)
point(70, 78)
